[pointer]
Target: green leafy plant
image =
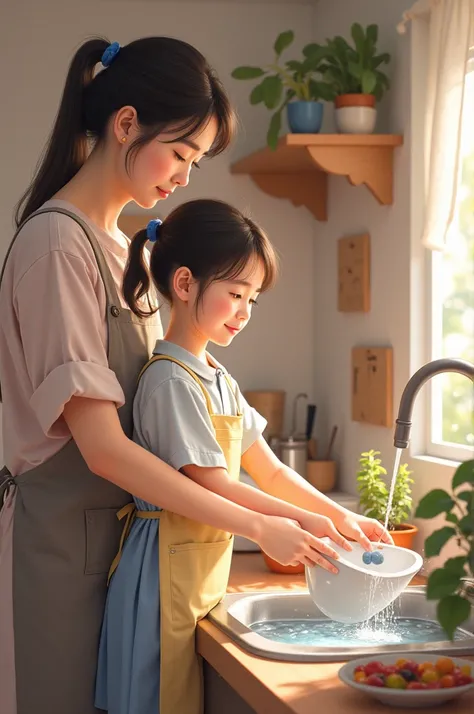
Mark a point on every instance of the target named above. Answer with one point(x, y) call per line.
point(281, 83)
point(446, 584)
point(355, 69)
point(374, 492)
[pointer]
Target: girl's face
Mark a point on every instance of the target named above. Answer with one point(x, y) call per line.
point(159, 168)
point(226, 306)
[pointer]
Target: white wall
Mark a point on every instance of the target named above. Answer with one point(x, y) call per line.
point(36, 44)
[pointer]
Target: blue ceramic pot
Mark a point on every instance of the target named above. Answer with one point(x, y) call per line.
point(305, 117)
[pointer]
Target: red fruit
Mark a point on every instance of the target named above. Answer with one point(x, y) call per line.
point(416, 685)
point(461, 680)
point(374, 680)
point(359, 668)
point(390, 669)
point(447, 681)
point(374, 667)
point(433, 685)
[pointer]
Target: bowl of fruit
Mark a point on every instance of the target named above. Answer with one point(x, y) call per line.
point(415, 681)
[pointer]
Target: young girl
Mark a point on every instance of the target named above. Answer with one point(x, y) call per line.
point(211, 263)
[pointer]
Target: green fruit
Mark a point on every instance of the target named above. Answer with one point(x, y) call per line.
point(395, 681)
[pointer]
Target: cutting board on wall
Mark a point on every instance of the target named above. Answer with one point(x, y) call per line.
point(372, 385)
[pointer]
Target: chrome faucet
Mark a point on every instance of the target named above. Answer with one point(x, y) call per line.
point(438, 366)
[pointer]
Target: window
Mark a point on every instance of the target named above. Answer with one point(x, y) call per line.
point(451, 399)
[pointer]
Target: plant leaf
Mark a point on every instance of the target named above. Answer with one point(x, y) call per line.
point(466, 525)
point(452, 611)
point(256, 95)
point(358, 35)
point(368, 81)
point(457, 564)
point(437, 540)
point(272, 88)
point(464, 474)
point(442, 582)
point(283, 41)
point(435, 502)
point(380, 59)
point(452, 518)
point(247, 72)
point(274, 130)
point(371, 33)
point(294, 65)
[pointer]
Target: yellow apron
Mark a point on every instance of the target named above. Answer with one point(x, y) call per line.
point(194, 570)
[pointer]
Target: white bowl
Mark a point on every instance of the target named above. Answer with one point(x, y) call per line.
point(410, 698)
point(358, 591)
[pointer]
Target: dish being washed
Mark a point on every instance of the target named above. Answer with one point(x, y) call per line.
point(360, 590)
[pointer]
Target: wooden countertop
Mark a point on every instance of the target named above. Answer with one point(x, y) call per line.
point(286, 687)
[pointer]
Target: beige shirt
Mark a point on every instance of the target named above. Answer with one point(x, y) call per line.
point(53, 332)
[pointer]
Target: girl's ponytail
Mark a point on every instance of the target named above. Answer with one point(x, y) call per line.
point(66, 150)
point(136, 279)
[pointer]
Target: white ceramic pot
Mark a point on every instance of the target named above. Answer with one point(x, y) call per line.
point(359, 591)
point(356, 120)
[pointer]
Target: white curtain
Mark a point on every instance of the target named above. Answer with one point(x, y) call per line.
point(451, 36)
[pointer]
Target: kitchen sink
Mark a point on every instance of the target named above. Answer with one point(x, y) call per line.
point(279, 626)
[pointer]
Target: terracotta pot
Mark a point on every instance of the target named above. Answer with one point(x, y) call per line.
point(403, 536)
point(277, 567)
point(355, 113)
point(354, 100)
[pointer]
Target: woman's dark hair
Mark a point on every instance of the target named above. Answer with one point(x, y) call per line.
point(214, 240)
point(167, 81)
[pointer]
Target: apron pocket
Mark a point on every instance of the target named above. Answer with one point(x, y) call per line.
point(103, 531)
point(199, 573)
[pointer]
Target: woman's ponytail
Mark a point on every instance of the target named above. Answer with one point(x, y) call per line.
point(66, 149)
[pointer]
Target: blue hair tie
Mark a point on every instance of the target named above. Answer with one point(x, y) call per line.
point(110, 54)
point(153, 230)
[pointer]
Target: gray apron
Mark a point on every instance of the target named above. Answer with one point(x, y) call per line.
point(65, 536)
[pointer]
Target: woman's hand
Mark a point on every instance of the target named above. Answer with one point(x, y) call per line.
point(363, 530)
point(284, 540)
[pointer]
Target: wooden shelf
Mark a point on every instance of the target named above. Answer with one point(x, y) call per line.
point(298, 168)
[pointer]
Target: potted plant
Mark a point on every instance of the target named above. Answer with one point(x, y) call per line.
point(374, 494)
point(357, 81)
point(452, 585)
point(294, 85)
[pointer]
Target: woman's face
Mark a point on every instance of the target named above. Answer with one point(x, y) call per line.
point(165, 163)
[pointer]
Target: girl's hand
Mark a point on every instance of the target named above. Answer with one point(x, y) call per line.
point(322, 526)
point(363, 530)
point(284, 540)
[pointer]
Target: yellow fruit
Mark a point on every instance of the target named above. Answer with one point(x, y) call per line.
point(444, 665)
point(430, 675)
point(466, 670)
point(360, 677)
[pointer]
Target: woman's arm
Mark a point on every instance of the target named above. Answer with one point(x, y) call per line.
point(109, 453)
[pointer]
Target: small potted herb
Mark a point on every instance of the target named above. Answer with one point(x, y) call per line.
point(294, 84)
point(356, 78)
point(374, 493)
point(452, 585)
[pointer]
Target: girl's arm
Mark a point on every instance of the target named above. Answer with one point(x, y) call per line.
point(109, 453)
point(274, 477)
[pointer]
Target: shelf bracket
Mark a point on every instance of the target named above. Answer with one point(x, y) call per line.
point(305, 188)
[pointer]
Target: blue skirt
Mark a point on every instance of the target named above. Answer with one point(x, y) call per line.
point(128, 672)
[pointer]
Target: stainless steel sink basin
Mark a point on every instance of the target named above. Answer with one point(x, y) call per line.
point(238, 612)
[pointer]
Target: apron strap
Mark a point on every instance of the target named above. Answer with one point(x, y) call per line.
point(157, 358)
point(7, 482)
point(129, 512)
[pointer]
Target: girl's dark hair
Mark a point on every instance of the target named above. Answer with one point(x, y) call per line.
point(214, 240)
point(167, 81)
